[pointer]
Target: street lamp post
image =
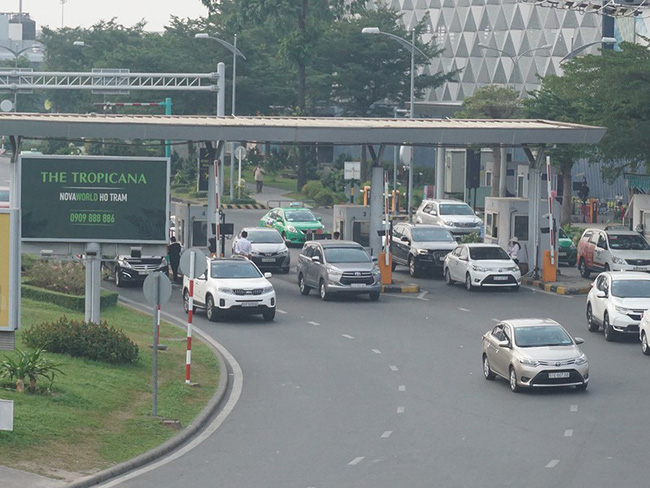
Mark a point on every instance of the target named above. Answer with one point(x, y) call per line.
point(412, 48)
point(515, 59)
point(16, 55)
point(604, 40)
point(235, 52)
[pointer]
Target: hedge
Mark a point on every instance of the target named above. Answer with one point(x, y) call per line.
point(72, 302)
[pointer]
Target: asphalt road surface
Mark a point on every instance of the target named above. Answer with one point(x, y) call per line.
point(352, 393)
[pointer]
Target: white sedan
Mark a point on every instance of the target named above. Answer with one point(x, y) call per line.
point(478, 265)
point(617, 301)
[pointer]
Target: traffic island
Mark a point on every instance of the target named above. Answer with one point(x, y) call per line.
point(399, 287)
point(556, 287)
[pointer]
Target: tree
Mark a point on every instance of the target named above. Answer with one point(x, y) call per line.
point(493, 102)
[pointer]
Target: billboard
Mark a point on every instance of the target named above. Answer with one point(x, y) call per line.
point(107, 199)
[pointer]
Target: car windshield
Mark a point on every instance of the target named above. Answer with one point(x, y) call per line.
point(234, 269)
point(548, 335)
point(563, 234)
point(264, 237)
point(302, 215)
point(432, 234)
point(455, 209)
point(346, 255)
point(629, 242)
point(631, 288)
point(483, 253)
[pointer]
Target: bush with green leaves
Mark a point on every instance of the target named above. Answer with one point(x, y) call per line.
point(65, 277)
point(98, 342)
point(28, 366)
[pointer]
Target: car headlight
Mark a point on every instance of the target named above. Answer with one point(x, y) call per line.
point(581, 360)
point(291, 228)
point(514, 268)
point(622, 310)
point(283, 253)
point(572, 246)
point(478, 268)
point(124, 264)
point(376, 270)
point(422, 251)
point(255, 253)
point(267, 289)
point(617, 260)
point(529, 362)
point(334, 272)
point(225, 291)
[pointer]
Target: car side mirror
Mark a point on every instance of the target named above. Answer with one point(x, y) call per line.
point(375, 259)
point(433, 212)
point(267, 275)
point(504, 344)
point(601, 294)
point(405, 239)
point(579, 340)
point(315, 259)
point(202, 277)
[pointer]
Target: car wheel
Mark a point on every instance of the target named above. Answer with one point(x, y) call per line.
point(448, 279)
point(572, 263)
point(591, 324)
point(487, 371)
point(393, 265)
point(322, 290)
point(584, 271)
point(413, 269)
point(284, 270)
point(468, 283)
point(374, 296)
point(645, 347)
point(514, 288)
point(186, 301)
point(304, 289)
point(513, 380)
point(582, 387)
point(118, 279)
point(269, 314)
point(610, 333)
point(210, 309)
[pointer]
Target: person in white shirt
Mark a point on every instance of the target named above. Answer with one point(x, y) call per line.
point(513, 249)
point(243, 246)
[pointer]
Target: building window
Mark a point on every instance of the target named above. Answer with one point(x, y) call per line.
point(488, 178)
point(492, 224)
point(520, 186)
point(521, 227)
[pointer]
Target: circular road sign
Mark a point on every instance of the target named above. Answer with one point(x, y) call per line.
point(200, 263)
point(240, 152)
point(157, 288)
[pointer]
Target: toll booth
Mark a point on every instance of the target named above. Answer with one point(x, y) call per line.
point(191, 224)
point(508, 217)
point(353, 222)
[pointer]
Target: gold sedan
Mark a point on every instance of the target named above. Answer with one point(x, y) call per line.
point(534, 353)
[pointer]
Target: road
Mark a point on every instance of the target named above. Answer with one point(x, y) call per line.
point(352, 393)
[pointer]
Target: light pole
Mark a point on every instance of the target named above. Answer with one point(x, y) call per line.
point(235, 52)
point(515, 59)
point(604, 40)
point(16, 55)
point(412, 48)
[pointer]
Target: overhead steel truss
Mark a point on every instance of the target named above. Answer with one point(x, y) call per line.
point(115, 81)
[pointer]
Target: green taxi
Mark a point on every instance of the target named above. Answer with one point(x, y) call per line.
point(566, 250)
point(294, 223)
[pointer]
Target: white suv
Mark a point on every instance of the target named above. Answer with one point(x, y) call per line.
point(617, 301)
point(233, 285)
point(455, 216)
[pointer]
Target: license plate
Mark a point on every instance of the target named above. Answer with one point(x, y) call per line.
point(144, 273)
point(563, 254)
point(358, 285)
point(500, 278)
point(249, 304)
point(561, 374)
point(268, 260)
point(637, 268)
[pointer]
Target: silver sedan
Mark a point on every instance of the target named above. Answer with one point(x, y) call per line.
point(534, 353)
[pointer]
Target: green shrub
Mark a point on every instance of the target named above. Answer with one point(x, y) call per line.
point(28, 366)
point(73, 302)
point(198, 194)
point(64, 277)
point(97, 342)
point(312, 188)
point(472, 237)
point(324, 197)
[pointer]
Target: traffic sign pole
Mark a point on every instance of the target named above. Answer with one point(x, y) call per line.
point(190, 312)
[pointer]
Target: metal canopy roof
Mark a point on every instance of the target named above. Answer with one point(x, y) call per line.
point(444, 132)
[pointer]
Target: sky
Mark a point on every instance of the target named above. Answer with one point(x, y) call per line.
point(84, 13)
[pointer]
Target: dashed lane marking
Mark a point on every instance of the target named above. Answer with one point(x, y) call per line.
point(356, 461)
point(347, 336)
point(313, 323)
point(401, 409)
point(568, 433)
point(386, 434)
point(393, 367)
point(280, 311)
point(376, 351)
point(463, 309)
point(401, 387)
point(574, 408)
point(553, 463)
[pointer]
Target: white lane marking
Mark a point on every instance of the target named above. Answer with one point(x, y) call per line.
point(553, 463)
point(313, 323)
point(386, 434)
point(238, 380)
point(496, 320)
point(347, 336)
point(393, 368)
point(280, 311)
point(401, 387)
point(376, 351)
point(356, 461)
point(421, 295)
point(463, 309)
point(568, 433)
point(401, 409)
point(574, 408)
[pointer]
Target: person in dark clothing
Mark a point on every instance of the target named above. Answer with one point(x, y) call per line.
point(174, 254)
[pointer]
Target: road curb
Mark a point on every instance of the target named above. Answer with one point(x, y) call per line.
point(397, 288)
point(244, 206)
point(181, 438)
point(559, 289)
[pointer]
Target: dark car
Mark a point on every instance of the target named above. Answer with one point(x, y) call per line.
point(421, 247)
point(129, 269)
point(269, 248)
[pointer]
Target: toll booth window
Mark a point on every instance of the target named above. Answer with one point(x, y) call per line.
point(488, 178)
point(521, 227)
point(492, 224)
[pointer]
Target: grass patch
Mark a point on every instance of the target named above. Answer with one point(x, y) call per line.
point(98, 415)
